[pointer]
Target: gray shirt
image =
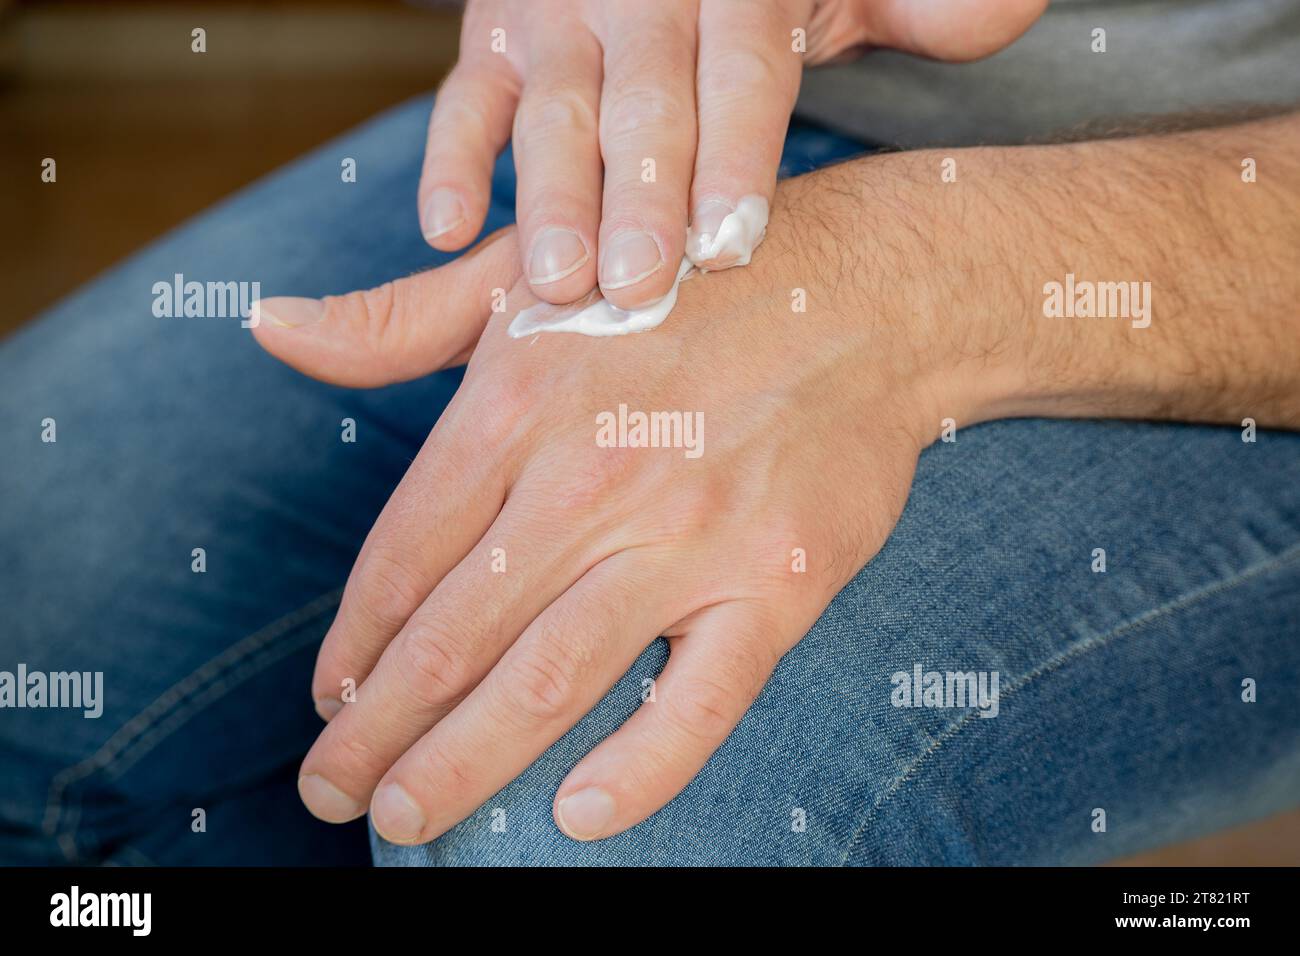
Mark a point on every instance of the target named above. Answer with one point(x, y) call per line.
point(1161, 57)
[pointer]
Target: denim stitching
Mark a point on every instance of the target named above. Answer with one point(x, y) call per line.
point(1070, 653)
point(173, 708)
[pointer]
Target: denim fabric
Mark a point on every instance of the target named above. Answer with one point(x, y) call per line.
point(1119, 690)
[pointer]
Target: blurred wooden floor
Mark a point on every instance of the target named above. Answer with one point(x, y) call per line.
point(96, 85)
point(1271, 842)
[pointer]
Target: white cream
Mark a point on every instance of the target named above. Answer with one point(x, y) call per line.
point(732, 244)
point(734, 240)
point(592, 315)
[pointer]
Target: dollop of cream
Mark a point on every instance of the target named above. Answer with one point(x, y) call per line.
point(731, 243)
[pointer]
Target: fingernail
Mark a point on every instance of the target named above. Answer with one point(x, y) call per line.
point(443, 212)
point(557, 253)
point(704, 226)
point(627, 259)
point(397, 818)
point(287, 312)
point(328, 708)
point(585, 814)
point(326, 801)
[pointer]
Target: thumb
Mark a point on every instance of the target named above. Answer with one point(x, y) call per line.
point(397, 331)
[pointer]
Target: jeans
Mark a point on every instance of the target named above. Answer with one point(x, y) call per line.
point(1144, 703)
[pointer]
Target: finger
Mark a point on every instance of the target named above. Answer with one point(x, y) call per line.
point(440, 655)
point(747, 80)
point(468, 128)
point(558, 670)
point(647, 137)
point(714, 673)
point(397, 331)
point(557, 157)
point(450, 496)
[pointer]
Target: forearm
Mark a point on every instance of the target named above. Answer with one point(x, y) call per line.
point(1135, 278)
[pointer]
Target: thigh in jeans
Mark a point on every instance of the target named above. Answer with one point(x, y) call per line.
point(176, 434)
point(1118, 690)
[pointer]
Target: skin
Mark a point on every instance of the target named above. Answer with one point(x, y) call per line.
point(588, 90)
point(925, 302)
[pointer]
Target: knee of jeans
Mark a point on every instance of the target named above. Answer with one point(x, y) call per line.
point(853, 691)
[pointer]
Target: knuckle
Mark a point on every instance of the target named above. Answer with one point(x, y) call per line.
point(370, 319)
point(445, 770)
point(696, 508)
point(540, 685)
point(789, 568)
point(387, 591)
point(699, 509)
point(460, 109)
point(596, 480)
point(705, 710)
point(631, 112)
point(556, 114)
point(469, 99)
point(504, 403)
point(378, 310)
point(367, 311)
point(433, 665)
point(356, 753)
point(738, 73)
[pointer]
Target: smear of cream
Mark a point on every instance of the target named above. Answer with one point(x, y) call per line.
point(592, 315)
point(731, 244)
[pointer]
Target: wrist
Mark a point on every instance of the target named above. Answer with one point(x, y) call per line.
point(938, 294)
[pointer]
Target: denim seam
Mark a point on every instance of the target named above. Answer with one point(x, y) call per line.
point(143, 732)
point(1070, 653)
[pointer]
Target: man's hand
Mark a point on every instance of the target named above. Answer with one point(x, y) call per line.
point(531, 552)
point(605, 98)
point(926, 300)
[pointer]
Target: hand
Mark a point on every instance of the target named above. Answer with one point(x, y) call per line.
point(811, 426)
point(594, 90)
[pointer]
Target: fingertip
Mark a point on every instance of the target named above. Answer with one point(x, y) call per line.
point(285, 312)
point(325, 801)
point(557, 262)
point(586, 814)
point(276, 324)
point(448, 221)
point(443, 210)
point(327, 708)
point(724, 234)
point(702, 237)
point(396, 815)
point(635, 268)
